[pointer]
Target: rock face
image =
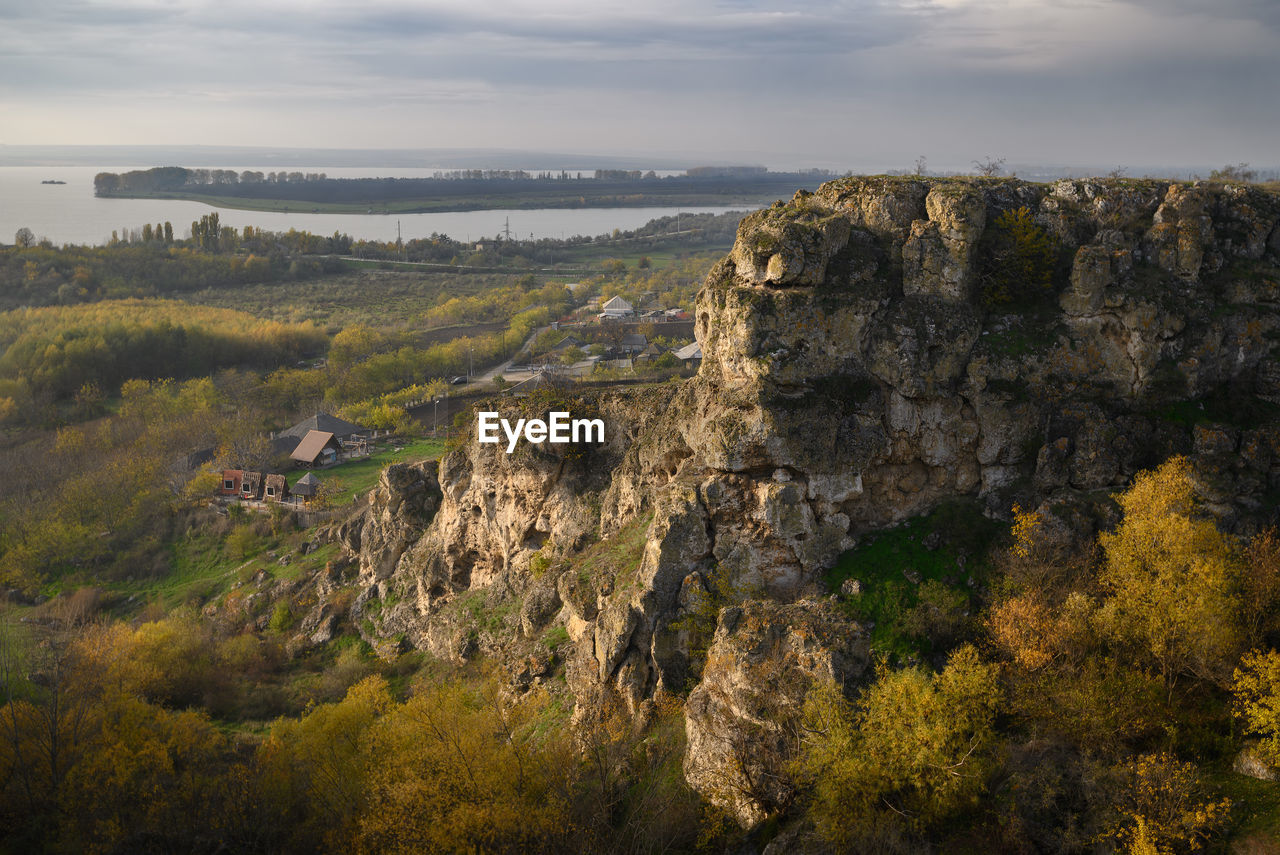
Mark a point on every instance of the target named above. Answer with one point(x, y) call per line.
point(404, 502)
point(856, 374)
point(742, 717)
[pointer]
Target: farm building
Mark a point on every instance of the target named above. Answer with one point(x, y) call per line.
point(276, 489)
point(307, 486)
point(251, 486)
point(231, 479)
point(318, 448)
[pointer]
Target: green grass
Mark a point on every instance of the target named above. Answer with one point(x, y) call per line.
point(555, 636)
point(1255, 805)
point(356, 477)
point(1222, 407)
point(617, 556)
point(203, 568)
point(882, 563)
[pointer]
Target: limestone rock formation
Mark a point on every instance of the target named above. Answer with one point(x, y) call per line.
point(857, 372)
point(400, 508)
point(743, 716)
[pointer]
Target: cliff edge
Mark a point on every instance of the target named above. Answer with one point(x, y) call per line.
point(870, 350)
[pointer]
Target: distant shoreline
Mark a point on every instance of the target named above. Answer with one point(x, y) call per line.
point(467, 190)
point(445, 206)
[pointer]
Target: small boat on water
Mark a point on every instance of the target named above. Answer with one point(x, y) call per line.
point(52, 181)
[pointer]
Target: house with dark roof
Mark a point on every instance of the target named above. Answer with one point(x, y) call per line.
point(317, 448)
point(326, 423)
point(307, 486)
point(633, 344)
point(650, 353)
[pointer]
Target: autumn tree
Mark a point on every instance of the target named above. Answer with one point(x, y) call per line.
point(1256, 687)
point(458, 769)
point(916, 744)
point(1165, 809)
point(315, 769)
point(1173, 580)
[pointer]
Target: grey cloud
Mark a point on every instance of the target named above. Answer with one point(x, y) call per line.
point(885, 74)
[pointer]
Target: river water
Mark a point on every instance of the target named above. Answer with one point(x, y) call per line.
point(70, 213)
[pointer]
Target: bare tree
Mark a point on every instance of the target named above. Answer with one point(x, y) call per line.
point(989, 167)
point(24, 238)
point(1239, 172)
point(922, 165)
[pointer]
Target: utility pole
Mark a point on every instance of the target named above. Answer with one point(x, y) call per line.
point(471, 362)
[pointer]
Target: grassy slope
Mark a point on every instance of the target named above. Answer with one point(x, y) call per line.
point(356, 477)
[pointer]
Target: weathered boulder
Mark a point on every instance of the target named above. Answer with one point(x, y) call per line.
point(742, 717)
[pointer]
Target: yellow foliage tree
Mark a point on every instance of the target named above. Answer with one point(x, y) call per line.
point(1164, 809)
point(458, 770)
point(916, 743)
point(315, 768)
point(1256, 688)
point(1173, 580)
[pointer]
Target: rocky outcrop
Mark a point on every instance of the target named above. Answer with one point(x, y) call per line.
point(400, 508)
point(743, 717)
point(857, 371)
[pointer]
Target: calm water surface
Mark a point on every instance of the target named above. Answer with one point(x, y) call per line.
point(70, 213)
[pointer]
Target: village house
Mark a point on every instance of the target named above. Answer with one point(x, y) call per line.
point(633, 344)
point(617, 308)
point(690, 355)
point(251, 486)
point(568, 342)
point(344, 430)
point(231, 479)
point(277, 488)
point(318, 448)
point(650, 353)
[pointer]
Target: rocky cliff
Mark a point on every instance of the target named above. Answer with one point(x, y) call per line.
point(871, 350)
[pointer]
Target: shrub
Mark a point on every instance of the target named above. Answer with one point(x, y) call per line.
point(1018, 258)
point(281, 617)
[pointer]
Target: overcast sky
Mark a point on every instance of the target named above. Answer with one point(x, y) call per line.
point(839, 83)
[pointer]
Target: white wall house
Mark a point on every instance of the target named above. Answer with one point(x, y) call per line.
point(618, 308)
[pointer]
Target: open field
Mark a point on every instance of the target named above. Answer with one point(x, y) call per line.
point(356, 477)
point(383, 298)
